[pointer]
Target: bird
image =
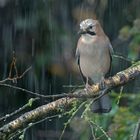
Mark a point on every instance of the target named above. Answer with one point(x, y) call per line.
point(94, 56)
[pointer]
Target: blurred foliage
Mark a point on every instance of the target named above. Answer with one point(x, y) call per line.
point(135, 43)
point(119, 124)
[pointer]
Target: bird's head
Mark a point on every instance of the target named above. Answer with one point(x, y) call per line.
point(90, 26)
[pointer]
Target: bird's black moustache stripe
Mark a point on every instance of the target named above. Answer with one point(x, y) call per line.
point(86, 32)
point(91, 33)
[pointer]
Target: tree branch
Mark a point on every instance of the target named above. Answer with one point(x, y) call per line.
point(119, 79)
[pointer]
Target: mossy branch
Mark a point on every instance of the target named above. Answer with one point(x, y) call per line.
point(24, 120)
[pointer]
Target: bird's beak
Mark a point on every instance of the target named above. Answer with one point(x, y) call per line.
point(82, 31)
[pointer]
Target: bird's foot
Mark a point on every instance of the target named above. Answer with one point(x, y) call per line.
point(102, 84)
point(88, 88)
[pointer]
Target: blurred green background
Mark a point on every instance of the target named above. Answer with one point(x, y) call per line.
point(43, 33)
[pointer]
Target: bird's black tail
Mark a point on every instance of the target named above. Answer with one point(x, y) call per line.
point(102, 105)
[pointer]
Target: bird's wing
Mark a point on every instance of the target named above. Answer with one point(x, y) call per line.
point(77, 55)
point(111, 52)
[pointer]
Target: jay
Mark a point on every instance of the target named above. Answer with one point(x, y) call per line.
point(93, 54)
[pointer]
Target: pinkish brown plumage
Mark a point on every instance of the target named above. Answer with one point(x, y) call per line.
point(94, 59)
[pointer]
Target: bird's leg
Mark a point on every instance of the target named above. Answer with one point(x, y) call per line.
point(88, 87)
point(102, 83)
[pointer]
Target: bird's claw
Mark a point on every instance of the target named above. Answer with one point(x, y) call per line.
point(102, 84)
point(88, 88)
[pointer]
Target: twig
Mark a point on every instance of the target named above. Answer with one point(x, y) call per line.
point(13, 65)
point(69, 120)
point(120, 95)
point(34, 93)
point(92, 132)
point(19, 110)
point(123, 57)
point(17, 77)
point(105, 133)
point(136, 131)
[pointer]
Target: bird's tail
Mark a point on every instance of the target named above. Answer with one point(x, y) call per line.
point(102, 105)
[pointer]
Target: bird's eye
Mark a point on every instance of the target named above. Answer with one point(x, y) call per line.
point(90, 27)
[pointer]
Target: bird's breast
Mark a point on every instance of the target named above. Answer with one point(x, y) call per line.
point(94, 60)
